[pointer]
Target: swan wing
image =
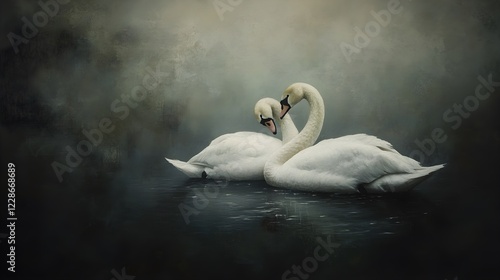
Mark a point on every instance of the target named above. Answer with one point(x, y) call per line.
point(348, 162)
point(237, 156)
point(368, 140)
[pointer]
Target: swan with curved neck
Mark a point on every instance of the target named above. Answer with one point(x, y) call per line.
point(308, 136)
point(348, 164)
point(240, 155)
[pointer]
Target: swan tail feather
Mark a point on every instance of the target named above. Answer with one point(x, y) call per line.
point(401, 182)
point(191, 170)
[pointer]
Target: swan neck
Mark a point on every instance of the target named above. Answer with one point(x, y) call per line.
point(306, 138)
point(288, 129)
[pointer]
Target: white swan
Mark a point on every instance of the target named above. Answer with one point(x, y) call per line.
point(240, 155)
point(349, 164)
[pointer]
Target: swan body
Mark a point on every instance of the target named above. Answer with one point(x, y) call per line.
point(348, 164)
point(240, 155)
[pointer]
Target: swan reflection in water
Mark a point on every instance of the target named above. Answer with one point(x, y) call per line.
point(256, 224)
point(240, 205)
point(253, 227)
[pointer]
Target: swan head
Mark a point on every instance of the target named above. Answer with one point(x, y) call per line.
point(264, 114)
point(291, 96)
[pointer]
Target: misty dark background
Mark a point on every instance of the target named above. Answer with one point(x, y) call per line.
point(65, 79)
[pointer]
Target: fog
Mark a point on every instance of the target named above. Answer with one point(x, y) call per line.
point(216, 61)
point(94, 94)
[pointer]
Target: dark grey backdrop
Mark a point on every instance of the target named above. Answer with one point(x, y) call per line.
point(205, 69)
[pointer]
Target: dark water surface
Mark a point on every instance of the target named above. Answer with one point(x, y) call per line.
point(443, 229)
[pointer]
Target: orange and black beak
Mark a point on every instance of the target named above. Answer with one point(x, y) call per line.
point(269, 123)
point(285, 107)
